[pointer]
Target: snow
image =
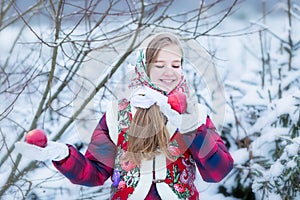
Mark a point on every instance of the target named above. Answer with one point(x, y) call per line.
point(240, 156)
point(292, 149)
point(276, 169)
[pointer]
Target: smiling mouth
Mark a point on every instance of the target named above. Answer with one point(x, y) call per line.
point(167, 81)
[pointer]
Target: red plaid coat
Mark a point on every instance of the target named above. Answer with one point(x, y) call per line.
point(96, 165)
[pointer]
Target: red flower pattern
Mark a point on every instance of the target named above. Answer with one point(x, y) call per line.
point(123, 104)
point(122, 185)
point(180, 188)
point(174, 151)
point(123, 194)
point(128, 165)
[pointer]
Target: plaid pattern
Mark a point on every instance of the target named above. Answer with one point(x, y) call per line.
point(213, 164)
point(96, 166)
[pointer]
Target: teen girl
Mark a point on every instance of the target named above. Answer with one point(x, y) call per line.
point(152, 143)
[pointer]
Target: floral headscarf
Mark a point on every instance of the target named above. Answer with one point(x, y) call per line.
point(141, 78)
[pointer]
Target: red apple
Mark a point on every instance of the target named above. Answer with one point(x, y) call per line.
point(177, 100)
point(37, 137)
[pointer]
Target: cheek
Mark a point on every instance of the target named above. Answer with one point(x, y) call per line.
point(153, 74)
point(178, 72)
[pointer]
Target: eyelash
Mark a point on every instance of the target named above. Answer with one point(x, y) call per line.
point(174, 66)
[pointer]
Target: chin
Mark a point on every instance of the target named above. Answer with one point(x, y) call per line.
point(167, 89)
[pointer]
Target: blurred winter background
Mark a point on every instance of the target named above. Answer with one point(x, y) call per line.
point(61, 61)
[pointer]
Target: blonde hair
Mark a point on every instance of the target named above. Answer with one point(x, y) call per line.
point(148, 135)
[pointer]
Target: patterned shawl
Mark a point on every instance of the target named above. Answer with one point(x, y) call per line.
point(141, 78)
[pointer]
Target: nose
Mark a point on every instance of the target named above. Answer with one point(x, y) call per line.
point(168, 69)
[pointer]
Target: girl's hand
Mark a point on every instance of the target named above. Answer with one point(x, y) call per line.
point(194, 116)
point(53, 151)
point(145, 97)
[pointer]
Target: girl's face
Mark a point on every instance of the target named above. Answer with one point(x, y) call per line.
point(165, 71)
